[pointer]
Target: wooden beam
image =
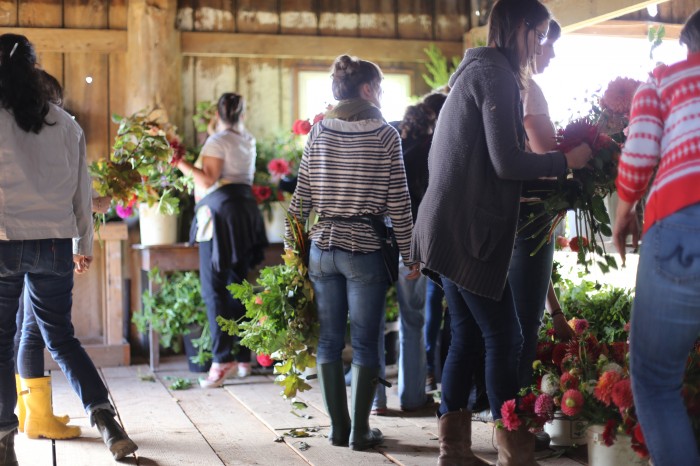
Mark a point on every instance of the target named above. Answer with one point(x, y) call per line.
point(629, 29)
point(576, 14)
point(294, 46)
point(73, 40)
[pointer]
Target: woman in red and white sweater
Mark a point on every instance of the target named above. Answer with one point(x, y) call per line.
point(664, 135)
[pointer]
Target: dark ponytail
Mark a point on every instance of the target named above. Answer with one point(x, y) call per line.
point(230, 107)
point(22, 91)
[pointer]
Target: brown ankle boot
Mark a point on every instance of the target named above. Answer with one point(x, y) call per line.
point(455, 435)
point(515, 447)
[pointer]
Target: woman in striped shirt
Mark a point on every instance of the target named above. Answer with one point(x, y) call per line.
point(664, 135)
point(352, 166)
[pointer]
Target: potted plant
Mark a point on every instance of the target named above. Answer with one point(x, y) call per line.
point(177, 312)
point(141, 170)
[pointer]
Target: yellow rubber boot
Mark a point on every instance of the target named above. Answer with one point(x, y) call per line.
point(39, 420)
point(21, 410)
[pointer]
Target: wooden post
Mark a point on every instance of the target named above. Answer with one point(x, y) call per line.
point(154, 62)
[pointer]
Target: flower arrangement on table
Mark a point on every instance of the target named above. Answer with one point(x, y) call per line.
point(141, 168)
point(584, 190)
point(280, 320)
point(278, 159)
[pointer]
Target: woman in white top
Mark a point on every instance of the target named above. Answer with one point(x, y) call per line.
point(228, 227)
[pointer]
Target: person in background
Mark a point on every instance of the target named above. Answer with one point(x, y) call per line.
point(351, 167)
point(41, 243)
point(229, 229)
point(664, 136)
point(416, 131)
point(466, 224)
point(530, 275)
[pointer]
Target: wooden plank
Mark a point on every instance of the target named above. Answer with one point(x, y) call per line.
point(154, 420)
point(118, 10)
point(34, 452)
point(185, 15)
point(298, 47)
point(8, 12)
point(575, 14)
point(261, 88)
point(102, 355)
point(377, 18)
point(451, 20)
point(245, 441)
point(52, 63)
point(632, 29)
point(415, 19)
point(88, 308)
point(189, 101)
point(261, 16)
point(214, 15)
point(338, 18)
point(113, 315)
point(48, 39)
point(85, 14)
point(298, 17)
point(213, 76)
point(117, 94)
point(47, 13)
point(169, 257)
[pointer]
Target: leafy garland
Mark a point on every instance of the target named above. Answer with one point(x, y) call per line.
point(281, 319)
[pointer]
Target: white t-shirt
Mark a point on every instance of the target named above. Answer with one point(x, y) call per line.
point(534, 102)
point(237, 149)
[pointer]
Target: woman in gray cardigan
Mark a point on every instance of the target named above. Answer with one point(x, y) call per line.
point(466, 224)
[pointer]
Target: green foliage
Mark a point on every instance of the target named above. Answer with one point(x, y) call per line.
point(283, 145)
point(173, 309)
point(392, 305)
point(439, 70)
point(141, 166)
point(178, 383)
point(606, 308)
point(203, 113)
point(655, 36)
point(280, 318)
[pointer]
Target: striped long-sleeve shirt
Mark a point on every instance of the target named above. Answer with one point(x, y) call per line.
point(664, 130)
point(348, 169)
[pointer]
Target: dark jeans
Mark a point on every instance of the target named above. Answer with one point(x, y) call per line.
point(529, 281)
point(472, 318)
point(433, 322)
point(29, 344)
point(48, 268)
point(220, 302)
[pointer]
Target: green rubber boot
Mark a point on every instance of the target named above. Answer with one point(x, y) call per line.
point(332, 379)
point(364, 383)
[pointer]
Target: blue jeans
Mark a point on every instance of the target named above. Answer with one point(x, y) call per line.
point(348, 283)
point(411, 297)
point(665, 325)
point(48, 268)
point(220, 302)
point(472, 318)
point(433, 321)
point(529, 278)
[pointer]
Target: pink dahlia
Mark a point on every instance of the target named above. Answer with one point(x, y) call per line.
point(264, 360)
point(571, 402)
point(278, 167)
point(509, 417)
point(544, 406)
point(618, 96)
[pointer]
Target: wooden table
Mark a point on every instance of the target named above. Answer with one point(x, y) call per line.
point(167, 258)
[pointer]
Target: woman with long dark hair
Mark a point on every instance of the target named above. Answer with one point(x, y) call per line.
point(41, 243)
point(466, 224)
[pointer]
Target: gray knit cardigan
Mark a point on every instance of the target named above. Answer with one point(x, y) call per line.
point(466, 224)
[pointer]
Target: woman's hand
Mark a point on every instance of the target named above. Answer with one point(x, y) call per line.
point(625, 224)
point(579, 156)
point(82, 263)
point(413, 271)
point(562, 329)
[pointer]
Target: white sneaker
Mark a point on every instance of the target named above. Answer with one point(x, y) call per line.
point(243, 369)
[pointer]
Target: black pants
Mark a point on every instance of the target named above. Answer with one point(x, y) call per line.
point(220, 302)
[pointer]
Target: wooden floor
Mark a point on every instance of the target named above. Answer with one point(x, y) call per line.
point(245, 423)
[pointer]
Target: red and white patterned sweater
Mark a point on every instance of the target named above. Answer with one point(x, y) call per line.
point(664, 130)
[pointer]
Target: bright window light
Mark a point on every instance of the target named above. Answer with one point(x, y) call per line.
point(584, 65)
point(315, 94)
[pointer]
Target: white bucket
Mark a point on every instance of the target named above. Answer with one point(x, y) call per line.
point(274, 226)
point(619, 453)
point(155, 227)
point(565, 432)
